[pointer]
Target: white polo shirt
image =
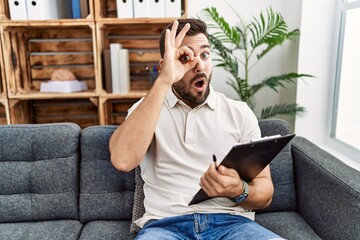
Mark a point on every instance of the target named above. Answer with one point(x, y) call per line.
point(184, 142)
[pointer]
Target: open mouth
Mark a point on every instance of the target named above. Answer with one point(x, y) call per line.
point(199, 83)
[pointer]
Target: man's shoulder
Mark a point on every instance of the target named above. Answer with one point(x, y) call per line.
point(223, 99)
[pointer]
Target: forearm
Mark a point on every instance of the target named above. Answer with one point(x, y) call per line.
point(261, 190)
point(131, 140)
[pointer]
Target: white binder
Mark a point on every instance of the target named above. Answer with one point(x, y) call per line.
point(48, 9)
point(18, 10)
point(115, 65)
point(173, 8)
point(124, 70)
point(125, 8)
point(141, 8)
point(157, 8)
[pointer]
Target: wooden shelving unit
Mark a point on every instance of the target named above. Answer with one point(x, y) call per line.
point(32, 50)
point(4, 106)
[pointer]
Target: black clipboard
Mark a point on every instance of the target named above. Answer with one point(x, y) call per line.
point(249, 159)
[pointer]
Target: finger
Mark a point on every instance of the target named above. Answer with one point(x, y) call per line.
point(227, 171)
point(180, 37)
point(210, 187)
point(212, 175)
point(184, 51)
point(173, 32)
point(167, 40)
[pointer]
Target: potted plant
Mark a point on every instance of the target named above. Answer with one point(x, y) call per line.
point(241, 47)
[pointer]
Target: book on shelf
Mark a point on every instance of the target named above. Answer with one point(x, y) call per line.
point(249, 159)
point(107, 71)
point(84, 8)
point(75, 7)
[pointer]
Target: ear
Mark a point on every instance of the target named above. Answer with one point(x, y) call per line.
point(161, 61)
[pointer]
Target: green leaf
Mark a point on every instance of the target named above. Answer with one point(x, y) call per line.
point(271, 32)
point(278, 81)
point(291, 109)
point(228, 33)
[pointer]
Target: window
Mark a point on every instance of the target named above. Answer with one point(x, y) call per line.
point(346, 113)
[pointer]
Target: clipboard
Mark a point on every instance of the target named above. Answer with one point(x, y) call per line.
point(249, 159)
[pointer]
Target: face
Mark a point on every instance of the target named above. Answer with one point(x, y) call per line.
point(193, 88)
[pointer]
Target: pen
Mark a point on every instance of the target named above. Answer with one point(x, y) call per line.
point(214, 159)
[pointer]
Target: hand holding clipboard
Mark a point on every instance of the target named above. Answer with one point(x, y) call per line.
point(249, 159)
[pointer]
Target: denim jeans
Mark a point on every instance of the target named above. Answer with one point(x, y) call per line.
point(205, 227)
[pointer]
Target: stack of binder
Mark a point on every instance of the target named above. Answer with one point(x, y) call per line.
point(39, 9)
point(120, 70)
point(148, 8)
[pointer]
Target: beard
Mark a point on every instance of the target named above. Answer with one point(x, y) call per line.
point(182, 90)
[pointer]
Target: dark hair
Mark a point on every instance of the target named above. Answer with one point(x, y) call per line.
point(196, 26)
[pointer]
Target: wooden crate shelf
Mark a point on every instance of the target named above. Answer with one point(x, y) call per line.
point(33, 53)
point(83, 112)
point(31, 50)
point(142, 41)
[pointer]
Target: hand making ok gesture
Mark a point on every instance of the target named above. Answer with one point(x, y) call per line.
point(177, 59)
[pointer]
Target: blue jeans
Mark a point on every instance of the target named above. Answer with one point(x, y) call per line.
point(205, 227)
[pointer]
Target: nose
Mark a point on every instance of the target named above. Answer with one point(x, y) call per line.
point(199, 67)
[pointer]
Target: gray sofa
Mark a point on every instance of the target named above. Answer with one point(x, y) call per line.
point(57, 182)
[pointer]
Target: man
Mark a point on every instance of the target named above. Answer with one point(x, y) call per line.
point(173, 133)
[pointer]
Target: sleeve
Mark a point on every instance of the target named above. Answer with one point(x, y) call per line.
point(133, 107)
point(250, 127)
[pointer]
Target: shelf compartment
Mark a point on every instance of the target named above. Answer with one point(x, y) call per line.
point(33, 53)
point(142, 40)
point(114, 111)
point(5, 14)
point(83, 112)
point(107, 9)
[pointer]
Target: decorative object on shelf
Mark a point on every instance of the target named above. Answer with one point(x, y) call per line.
point(62, 75)
point(153, 73)
point(252, 41)
point(63, 81)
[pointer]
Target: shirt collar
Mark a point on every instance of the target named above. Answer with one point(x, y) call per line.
point(172, 99)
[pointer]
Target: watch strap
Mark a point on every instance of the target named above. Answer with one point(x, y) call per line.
point(243, 195)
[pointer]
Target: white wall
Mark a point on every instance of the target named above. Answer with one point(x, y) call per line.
point(279, 61)
point(317, 51)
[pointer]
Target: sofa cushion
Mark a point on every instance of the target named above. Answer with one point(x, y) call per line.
point(39, 172)
point(281, 167)
point(287, 224)
point(54, 230)
point(138, 208)
point(105, 193)
point(109, 230)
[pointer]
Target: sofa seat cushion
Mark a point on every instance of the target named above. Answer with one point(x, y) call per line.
point(289, 225)
point(59, 229)
point(108, 230)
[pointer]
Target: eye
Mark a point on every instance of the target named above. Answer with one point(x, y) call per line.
point(205, 55)
point(184, 59)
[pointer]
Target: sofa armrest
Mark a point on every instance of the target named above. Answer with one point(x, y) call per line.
point(328, 191)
